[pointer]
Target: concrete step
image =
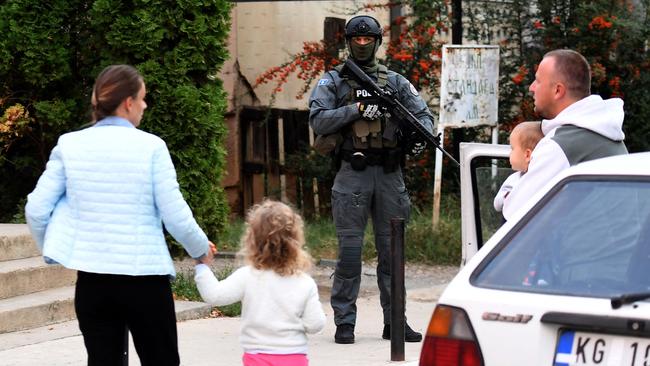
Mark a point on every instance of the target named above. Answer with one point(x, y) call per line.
point(16, 242)
point(35, 295)
point(57, 305)
point(24, 276)
point(189, 310)
point(37, 309)
point(185, 310)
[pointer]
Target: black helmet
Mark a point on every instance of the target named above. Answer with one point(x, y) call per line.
point(363, 25)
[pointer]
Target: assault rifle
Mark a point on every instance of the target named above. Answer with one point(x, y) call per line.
point(394, 106)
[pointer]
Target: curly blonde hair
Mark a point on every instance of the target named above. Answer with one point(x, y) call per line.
point(274, 239)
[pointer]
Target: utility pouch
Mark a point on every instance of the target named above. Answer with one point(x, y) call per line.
point(392, 160)
point(360, 132)
point(390, 134)
point(336, 162)
point(374, 129)
point(358, 161)
point(325, 144)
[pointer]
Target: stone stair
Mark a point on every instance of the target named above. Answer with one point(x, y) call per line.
point(34, 294)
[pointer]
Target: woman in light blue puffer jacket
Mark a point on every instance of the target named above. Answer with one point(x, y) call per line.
point(99, 208)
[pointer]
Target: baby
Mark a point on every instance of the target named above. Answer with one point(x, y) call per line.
point(523, 139)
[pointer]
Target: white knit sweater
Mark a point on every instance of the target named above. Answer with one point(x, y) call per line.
point(277, 311)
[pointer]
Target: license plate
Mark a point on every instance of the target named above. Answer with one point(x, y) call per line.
point(579, 348)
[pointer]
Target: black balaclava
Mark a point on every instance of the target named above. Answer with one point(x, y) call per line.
point(363, 54)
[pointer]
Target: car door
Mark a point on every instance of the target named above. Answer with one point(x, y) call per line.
point(483, 168)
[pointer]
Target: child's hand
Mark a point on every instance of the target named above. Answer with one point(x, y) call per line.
point(209, 256)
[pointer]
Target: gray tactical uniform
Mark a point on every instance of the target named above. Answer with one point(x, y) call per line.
point(357, 194)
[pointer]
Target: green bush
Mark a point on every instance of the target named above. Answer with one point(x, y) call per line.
point(440, 246)
point(184, 288)
point(51, 52)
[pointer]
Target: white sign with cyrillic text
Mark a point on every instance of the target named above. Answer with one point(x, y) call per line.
point(469, 86)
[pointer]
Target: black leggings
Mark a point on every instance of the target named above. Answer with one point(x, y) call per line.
point(107, 304)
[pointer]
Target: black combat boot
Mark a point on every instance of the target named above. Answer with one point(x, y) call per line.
point(409, 334)
point(344, 334)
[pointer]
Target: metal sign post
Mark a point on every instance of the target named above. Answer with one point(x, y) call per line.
point(469, 96)
point(437, 178)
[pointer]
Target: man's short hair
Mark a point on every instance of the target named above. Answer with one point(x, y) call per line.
point(572, 69)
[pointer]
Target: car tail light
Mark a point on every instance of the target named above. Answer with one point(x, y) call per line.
point(450, 340)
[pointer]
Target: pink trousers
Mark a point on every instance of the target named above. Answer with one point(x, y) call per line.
point(265, 359)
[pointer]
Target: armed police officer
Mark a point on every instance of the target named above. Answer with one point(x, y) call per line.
point(369, 147)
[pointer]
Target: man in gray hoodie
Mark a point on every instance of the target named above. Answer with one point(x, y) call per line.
point(577, 126)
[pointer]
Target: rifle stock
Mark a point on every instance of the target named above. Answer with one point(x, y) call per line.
point(395, 107)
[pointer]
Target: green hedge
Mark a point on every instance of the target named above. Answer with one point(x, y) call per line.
point(51, 52)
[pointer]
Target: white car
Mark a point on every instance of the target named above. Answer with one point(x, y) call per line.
point(566, 281)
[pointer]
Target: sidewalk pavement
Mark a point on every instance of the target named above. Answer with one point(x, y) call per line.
point(214, 341)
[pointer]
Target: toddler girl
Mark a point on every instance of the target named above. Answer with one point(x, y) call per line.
point(279, 299)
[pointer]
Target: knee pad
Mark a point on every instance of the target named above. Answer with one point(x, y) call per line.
point(349, 264)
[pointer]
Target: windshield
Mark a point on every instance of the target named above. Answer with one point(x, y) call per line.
point(590, 237)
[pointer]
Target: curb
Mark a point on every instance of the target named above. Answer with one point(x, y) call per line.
point(190, 310)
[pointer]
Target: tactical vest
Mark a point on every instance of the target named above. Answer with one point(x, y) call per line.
point(364, 134)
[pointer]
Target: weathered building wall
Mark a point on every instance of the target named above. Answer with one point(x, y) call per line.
point(268, 32)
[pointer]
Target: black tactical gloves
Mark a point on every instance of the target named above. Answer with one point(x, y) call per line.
point(371, 109)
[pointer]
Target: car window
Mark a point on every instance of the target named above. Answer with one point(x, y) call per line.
point(487, 176)
point(589, 237)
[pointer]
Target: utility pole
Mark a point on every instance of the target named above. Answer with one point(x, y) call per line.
point(395, 29)
point(457, 22)
point(457, 134)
